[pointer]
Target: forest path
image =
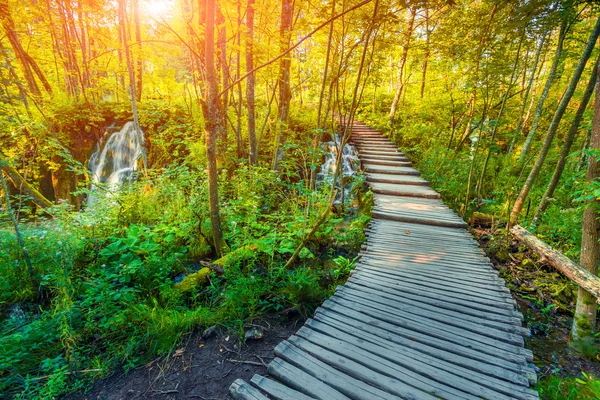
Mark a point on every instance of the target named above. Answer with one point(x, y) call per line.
point(423, 316)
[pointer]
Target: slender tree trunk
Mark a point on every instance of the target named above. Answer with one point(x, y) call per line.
point(238, 106)
point(285, 93)
point(511, 83)
point(554, 124)
point(126, 50)
point(18, 232)
point(224, 67)
point(560, 166)
point(326, 68)
point(213, 122)
point(139, 64)
point(29, 67)
point(251, 82)
point(426, 55)
point(405, 48)
point(540, 105)
point(584, 322)
point(526, 95)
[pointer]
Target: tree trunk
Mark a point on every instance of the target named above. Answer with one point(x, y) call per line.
point(29, 67)
point(573, 271)
point(285, 93)
point(251, 82)
point(526, 96)
point(224, 67)
point(560, 166)
point(214, 120)
point(554, 124)
point(139, 64)
point(23, 186)
point(540, 104)
point(426, 55)
point(126, 50)
point(405, 48)
point(584, 322)
point(511, 83)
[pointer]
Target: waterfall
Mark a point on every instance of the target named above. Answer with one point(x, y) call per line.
point(350, 163)
point(114, 163)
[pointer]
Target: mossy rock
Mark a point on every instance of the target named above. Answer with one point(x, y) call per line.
point(193, 281)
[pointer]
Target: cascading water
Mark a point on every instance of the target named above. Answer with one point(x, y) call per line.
point(350, 164)
point(114, 163)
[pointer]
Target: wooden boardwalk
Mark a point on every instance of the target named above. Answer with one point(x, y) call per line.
point(424, 315)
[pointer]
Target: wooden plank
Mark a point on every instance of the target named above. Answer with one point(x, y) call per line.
point(423, 315)
point(361, 373)
point(390, 170)
point(399, 334)
point(403, 190)
point(494, 325)
point(490, 282)
point(425, 282)
point(436, 331)
point(301, 380)
point(276, 390)
point(334, 378)
point(490, 289)
point(470, 368)
point(240, 389)
point(417, 370)
point(355, 357)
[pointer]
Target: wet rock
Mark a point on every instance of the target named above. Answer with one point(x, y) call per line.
point(253, 334)
point(210, 331)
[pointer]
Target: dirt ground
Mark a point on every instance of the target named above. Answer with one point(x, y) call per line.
point(202, 368)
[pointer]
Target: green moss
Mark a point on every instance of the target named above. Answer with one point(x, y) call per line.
point(192, 281)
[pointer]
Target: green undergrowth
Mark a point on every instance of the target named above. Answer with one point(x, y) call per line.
point(574, 388)
point(103, 294)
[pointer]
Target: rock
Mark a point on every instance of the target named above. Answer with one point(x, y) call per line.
point(210, 331)
point(253, 334)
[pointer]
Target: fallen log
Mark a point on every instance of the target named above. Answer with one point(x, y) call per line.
point(572, 270)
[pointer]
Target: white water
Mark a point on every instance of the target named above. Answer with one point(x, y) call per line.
point(350, 163)
point(114, 163)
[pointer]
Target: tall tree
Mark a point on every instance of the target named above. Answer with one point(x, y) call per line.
point(540, 105)
point(250, 82)
point(560, 111)
point(285, 91)
point(584, 321)
point(566, 149)
point(405, 47)
point(139, 64)
point(214, 122)
point(28, 65)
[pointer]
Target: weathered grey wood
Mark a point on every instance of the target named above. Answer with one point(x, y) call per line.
point(469, 368)
point(276, 390)
point(399, 334)
point(403, 190)
point(360, 372)
point(439, 320)
point(340, 381)
point(432, 376)
point(390, 170)
point(456, 287)
point(491, 290)
point(490, 282)
point(240, 389)
point(508, 352)
point(300, 379)
point(364, 354)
